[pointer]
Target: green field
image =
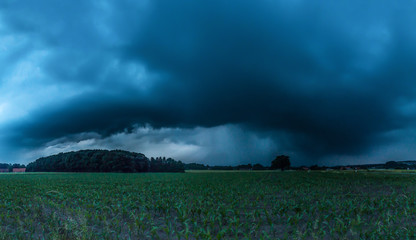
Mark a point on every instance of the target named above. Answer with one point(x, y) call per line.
point(209, 205)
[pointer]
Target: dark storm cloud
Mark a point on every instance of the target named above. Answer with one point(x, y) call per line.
point(334, 78)
point(320, 71)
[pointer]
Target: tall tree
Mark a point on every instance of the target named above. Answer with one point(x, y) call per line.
point(281, 161)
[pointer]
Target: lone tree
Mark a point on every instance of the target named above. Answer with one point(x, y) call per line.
point(281, 162)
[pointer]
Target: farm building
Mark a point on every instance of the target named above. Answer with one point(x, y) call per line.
point(4, 170)
point(19, 169)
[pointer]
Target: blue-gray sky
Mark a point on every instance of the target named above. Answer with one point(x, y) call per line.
point(216, 82)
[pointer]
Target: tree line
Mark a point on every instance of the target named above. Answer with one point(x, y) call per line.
point(280, 162)
point(199, 166)
point(104, 161)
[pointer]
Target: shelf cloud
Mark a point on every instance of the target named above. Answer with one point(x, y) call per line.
point(216, 82)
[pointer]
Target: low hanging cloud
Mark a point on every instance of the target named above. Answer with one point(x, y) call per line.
point(325, 82)
point(201, 145)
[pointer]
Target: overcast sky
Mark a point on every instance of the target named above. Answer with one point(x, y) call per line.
point(210, 81)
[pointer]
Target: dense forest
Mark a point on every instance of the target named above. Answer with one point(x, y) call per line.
point(104, 161)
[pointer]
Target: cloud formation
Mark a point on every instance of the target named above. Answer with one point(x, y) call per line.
point(325, 82)
point(228, 144)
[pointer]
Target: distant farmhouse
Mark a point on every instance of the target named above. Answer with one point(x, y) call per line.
point(8, 167)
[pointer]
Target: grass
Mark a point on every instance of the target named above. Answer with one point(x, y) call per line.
point(209, 205)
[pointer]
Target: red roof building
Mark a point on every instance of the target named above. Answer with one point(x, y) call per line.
point(19, 169)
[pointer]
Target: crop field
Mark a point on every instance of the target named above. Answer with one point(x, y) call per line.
point(209, 205)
